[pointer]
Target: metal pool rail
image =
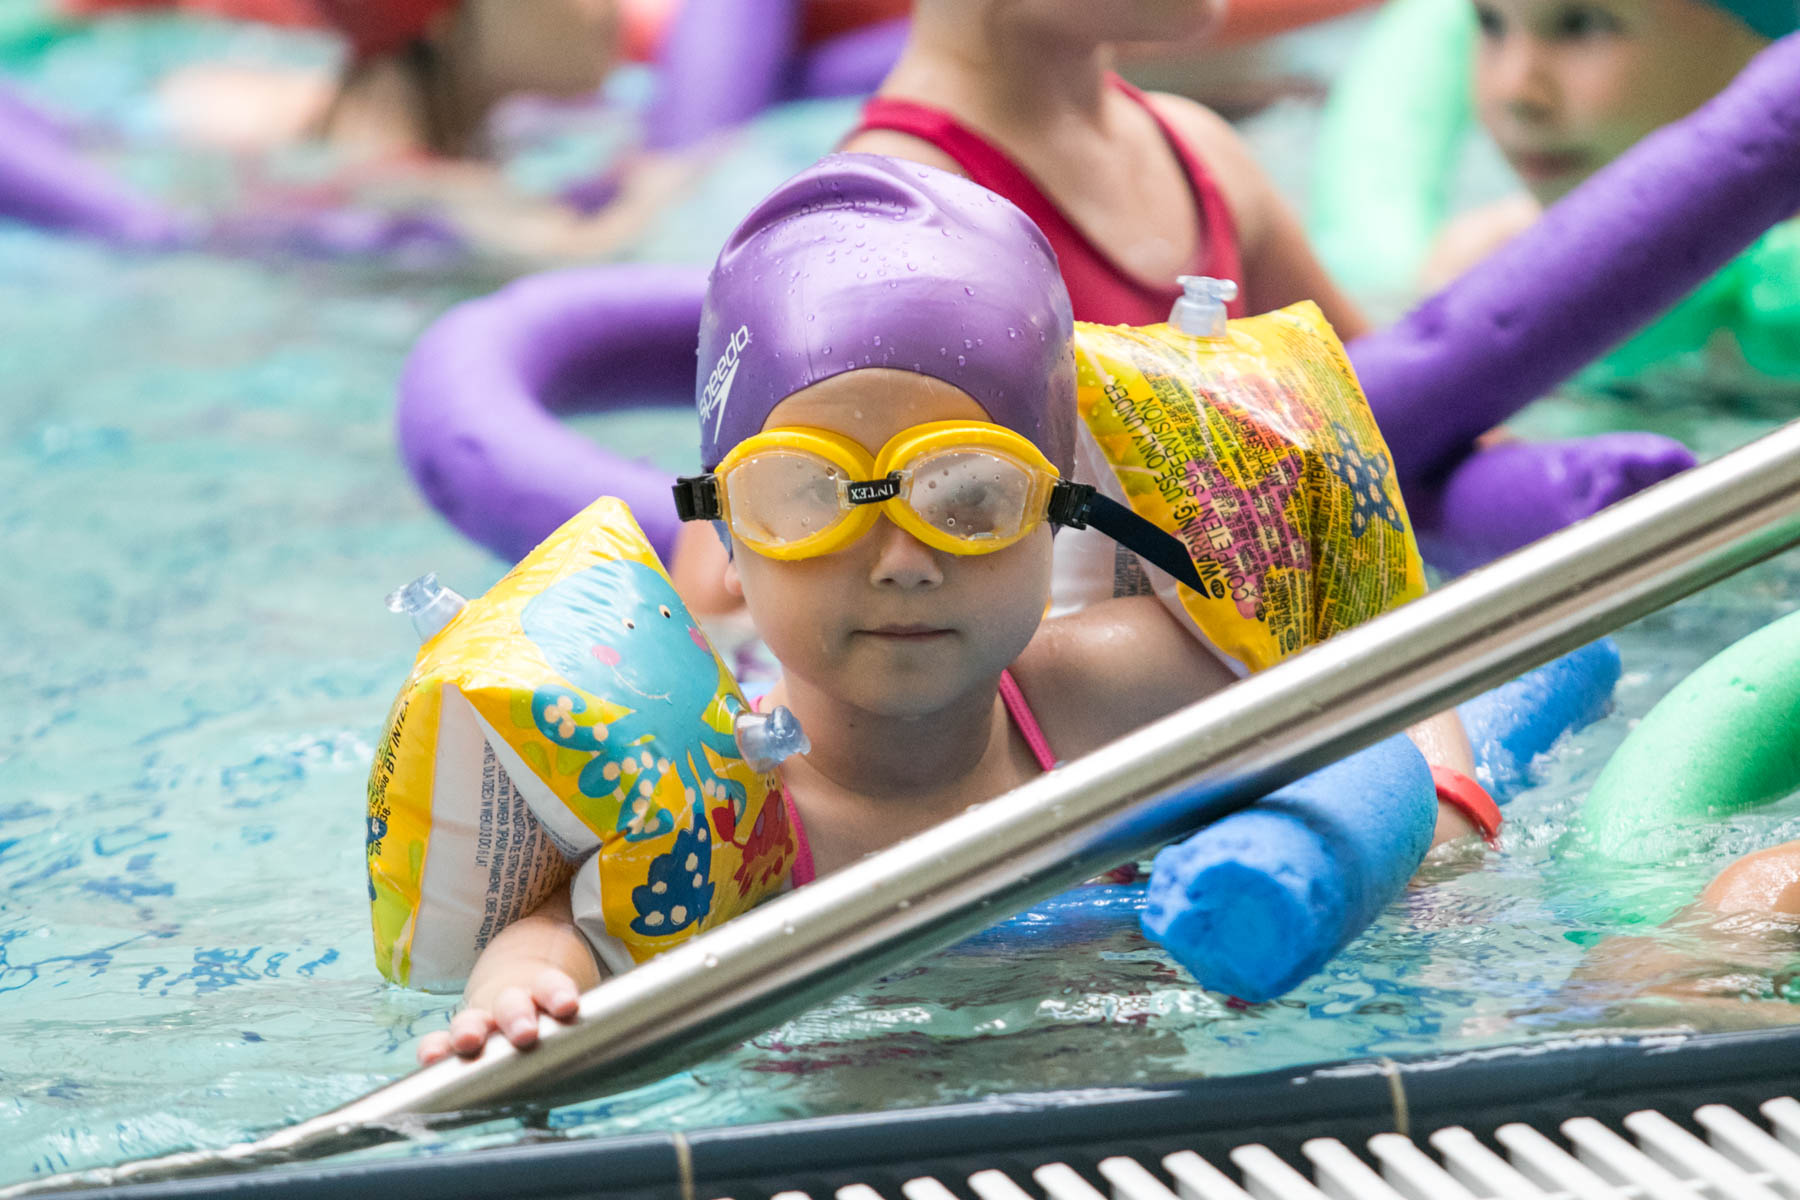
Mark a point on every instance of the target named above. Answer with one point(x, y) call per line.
point(1124, 800)
point(1589, 1117)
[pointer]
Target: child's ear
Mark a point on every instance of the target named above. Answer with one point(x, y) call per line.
point(734, 586)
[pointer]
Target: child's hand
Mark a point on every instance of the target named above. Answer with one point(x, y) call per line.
point(513, 1011)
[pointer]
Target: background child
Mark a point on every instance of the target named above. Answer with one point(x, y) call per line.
point(1131, 189)
point(420, 78)
point(920, 666)
point(1726, 961)
point(410, 109)
point(1566, 86)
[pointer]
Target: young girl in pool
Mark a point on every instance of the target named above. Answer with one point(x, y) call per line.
point(1566, 86)
point(873, 315)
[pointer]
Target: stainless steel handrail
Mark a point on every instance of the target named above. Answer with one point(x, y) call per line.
point(1136, 794)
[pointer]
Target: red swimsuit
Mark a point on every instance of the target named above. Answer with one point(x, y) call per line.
point(1099, 288)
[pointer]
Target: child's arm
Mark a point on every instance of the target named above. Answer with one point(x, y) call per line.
point(1444, 743)
point(539, 963)
point(1113, 667)
point(1473, 236)
point(1741, 929)
point(1279, 265)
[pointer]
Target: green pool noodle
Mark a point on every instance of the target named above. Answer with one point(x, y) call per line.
point(1727, 738)
point(27, 29)
point(1392, 129)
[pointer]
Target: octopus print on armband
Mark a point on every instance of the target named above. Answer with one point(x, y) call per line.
point(618, 632)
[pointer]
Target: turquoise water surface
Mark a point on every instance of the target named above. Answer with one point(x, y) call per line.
point(201, 509)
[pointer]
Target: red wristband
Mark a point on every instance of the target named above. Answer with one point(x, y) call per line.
point(1470, 799)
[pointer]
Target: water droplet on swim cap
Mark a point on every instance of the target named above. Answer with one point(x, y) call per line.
point(755, 350)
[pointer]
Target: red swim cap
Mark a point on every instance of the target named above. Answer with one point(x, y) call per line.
point(377, 27)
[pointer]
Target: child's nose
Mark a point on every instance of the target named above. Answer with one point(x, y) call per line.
point(902, 560)
point(1521, 78)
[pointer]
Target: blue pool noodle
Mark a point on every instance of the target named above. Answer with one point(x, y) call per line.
point(1257, 902)
point(1254, 903)
point(1513, 724)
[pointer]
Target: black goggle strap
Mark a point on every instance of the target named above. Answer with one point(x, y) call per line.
point(697, 498)
point(1079, 506)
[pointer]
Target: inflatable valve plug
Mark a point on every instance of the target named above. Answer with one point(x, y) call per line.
point(1201, 310)
point(766, 740)
point(429, 603)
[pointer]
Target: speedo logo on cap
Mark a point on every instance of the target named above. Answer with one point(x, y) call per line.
point(718, 385)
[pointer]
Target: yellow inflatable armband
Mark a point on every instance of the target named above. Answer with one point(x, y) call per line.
point(570, 727)
point(1256, 448)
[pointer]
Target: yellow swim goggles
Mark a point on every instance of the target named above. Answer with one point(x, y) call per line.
point(965, 487)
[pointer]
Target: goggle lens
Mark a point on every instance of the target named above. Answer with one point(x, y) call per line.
point(779, 497)
point(972, 495)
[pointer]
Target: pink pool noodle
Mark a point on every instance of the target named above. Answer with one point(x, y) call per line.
point(1603, 262)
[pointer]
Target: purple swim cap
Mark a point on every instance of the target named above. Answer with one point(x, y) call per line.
point(865, 261)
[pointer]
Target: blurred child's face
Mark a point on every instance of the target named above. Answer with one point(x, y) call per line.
point(1566, 86)
point(888, 624)
point(549, 47)
point(1109, 20)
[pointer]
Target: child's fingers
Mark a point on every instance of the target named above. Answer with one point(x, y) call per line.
point(516, 1016)
point(556, 993)
point(434, 1047)
point(469, 1030)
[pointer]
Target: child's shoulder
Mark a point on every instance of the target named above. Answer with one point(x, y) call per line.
point(895, 144)
point(1102, 672)
point(1470, 237)
point(1222, 151)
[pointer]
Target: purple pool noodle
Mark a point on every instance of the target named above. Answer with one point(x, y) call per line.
point(340, 233)
point(693, 99)
point(45, 181)
point(591, 195)
point(1507, 496)
point(722, 62)
point(851, 64)
point(1607, 259)
point(17, 114)
point(478, 423)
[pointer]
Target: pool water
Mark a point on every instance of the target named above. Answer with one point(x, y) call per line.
point(201, 509)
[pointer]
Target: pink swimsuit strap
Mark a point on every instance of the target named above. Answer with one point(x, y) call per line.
point(1023, 719)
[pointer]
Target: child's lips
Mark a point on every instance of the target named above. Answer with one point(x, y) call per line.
point(908, 633)
point(1538, 165)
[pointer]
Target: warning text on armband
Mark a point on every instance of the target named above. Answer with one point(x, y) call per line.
point(387, 755)
point(1168, 445)
point(506, 848)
